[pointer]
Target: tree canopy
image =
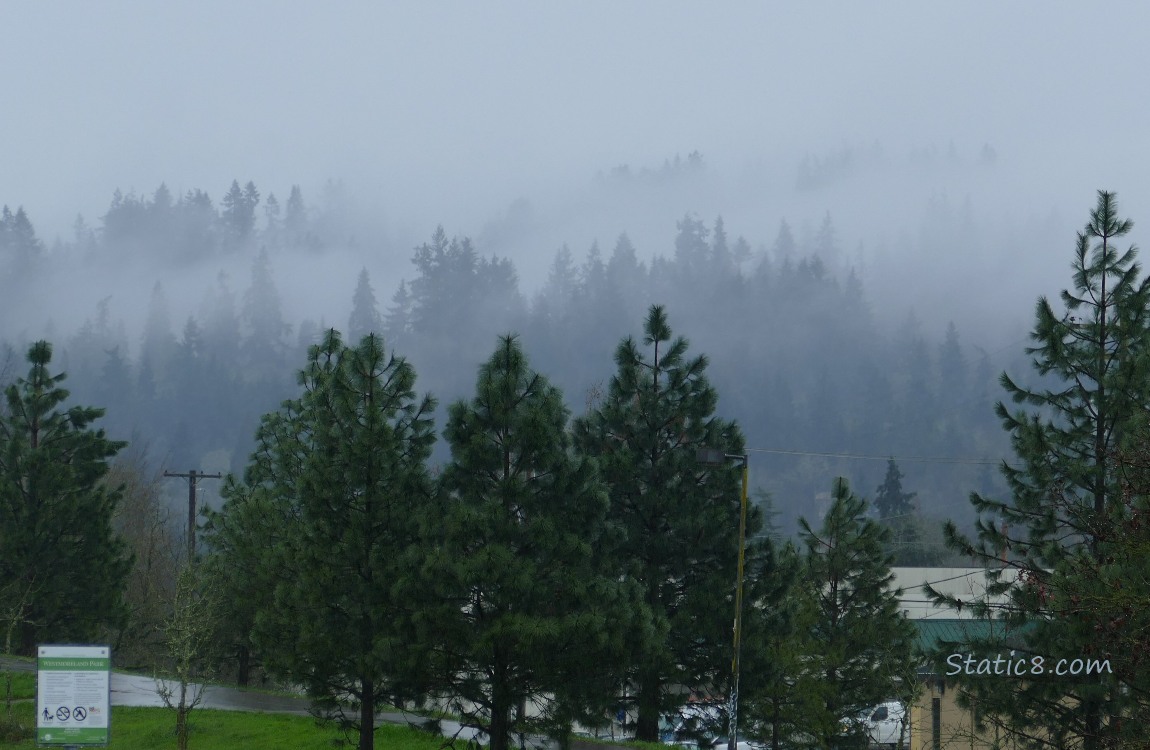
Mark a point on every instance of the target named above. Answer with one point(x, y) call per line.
point(62, 568)
point(341, 476)
point(680, 518)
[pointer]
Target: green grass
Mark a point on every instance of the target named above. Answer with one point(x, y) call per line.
point(23, 684)
point(154, 729)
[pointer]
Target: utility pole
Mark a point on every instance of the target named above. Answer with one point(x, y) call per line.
point(192, 476)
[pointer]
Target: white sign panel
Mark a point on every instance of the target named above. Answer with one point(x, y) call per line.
point(72, 695)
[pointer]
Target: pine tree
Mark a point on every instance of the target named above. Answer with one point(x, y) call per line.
point(952, 369)
point(783, 696)
point(158, 345)
point(266, 339)
point(221, 325)
point(332, 495)
point(1104, 594)
point(295, 216)
point(785, 246)
point(239, 211)
point(527, 609)
point(1093, 360)
point(365, 316)
point(398, 322)
point(692, 250)
point(897, 513)
point(62, 568)
point(680, 518)
point(198, 226)
point(865, 646)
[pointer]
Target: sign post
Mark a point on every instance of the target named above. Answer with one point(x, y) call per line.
point(73, 704)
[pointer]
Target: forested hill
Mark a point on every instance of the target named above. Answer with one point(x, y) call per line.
point(794, 350)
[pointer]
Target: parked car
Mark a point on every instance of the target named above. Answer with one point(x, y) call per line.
point(880, 725)
point(722, 743)
point(695, 724)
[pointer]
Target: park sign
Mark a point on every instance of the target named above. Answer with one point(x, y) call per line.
point(72, 695)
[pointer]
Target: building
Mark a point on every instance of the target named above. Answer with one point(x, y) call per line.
point(936, 721)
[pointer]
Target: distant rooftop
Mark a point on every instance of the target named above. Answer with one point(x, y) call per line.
point(968, 584)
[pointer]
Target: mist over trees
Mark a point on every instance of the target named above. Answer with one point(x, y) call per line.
point(803, 362)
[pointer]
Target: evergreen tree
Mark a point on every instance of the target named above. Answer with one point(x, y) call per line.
point(528, 610)
point(398, 322)
point(159, 344)
point(890, 500)
point(239, 211)
point(62, 568)
point(722, 262)
point(333, 494)
point(365, 316)
point(295, 216)
point(865, 651)
point(197, 236)
point(680, 518)
point(825, 245)
point(1093, 358)
point(1104, 594)
point(274, 219)
point(266, 339)
point(952, 369)
point(785, 246)
point(692, 250)
point(899, 515)
point(783, 696)
point(627, 275)
point(221, 325)
point(554, 302)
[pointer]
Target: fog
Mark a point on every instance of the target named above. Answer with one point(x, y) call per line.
point(955, 149)
point(450, 114)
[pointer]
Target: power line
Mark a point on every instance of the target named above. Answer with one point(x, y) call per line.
point(869, 457)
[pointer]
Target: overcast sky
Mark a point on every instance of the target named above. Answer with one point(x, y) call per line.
point(447, 113)
point(476, 102)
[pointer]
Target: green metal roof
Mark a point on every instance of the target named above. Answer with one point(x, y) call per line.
point(939, 633)
point(939, 637)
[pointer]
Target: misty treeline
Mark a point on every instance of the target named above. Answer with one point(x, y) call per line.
point(796, 353)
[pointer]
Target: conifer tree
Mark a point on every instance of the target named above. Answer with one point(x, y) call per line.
point(338, 478)
point(680, 518)
point(266, 331)
point(1092, 357)
point(158, 345)
point(527, 609)
point(239, 211)
point(783, 696)
point(295, 216)
point(865, 651)
point(398, 321)
point(897, 513)
point(62, 568)
point(365, 316)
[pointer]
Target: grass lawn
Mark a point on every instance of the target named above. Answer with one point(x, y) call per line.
point(154, 728)
point(23, 684)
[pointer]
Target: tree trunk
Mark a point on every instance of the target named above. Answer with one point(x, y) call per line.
point(501, 705)
point(244, 668)
point(367, 715)
point(182, 716)
point(647, 725)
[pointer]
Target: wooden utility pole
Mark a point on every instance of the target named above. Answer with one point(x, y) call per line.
point(192, 476)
